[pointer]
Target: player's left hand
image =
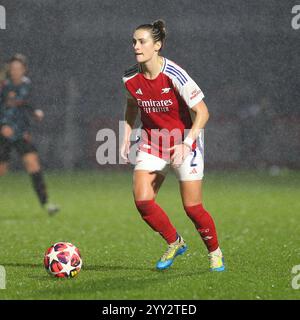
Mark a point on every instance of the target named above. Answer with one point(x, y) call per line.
point(38, 114)
point(181, 151)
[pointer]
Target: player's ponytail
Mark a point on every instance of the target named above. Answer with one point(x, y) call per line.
point(157, 30)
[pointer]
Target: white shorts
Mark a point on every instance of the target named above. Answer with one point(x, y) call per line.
point(190, 170)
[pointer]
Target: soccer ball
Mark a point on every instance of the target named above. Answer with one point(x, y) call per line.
point(63, 260)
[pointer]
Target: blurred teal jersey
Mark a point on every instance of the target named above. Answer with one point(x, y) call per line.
point(15, 110)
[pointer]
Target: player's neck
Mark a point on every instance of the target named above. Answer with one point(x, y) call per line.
point(16, 81)
point(152, 68)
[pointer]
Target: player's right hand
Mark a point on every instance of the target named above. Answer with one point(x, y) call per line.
point(181, 151)
point(7, 131)
point(124, 151)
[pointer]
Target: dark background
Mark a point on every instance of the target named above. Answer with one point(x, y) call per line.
point(243, 54)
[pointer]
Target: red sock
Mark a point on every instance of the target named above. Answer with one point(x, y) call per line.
point(205, 225)
point(157, 219)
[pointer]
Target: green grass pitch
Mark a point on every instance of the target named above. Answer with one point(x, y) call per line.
point(257, 217)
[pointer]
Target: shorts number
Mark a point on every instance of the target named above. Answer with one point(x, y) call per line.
point(193, 159)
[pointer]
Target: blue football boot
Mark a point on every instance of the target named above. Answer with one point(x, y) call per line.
point(216, 260)
point(175, 249)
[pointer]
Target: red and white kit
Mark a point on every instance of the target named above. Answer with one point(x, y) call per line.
point(164, 104)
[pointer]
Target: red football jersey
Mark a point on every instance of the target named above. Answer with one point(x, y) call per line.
point(164, 104)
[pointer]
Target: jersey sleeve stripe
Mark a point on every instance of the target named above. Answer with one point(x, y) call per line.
point(165, 64)
point(176, 71)
point(129, 74)
point(182, 82)
point(174, 75)
point(131, 71)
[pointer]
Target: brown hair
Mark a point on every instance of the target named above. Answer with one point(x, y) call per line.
point(20, 58)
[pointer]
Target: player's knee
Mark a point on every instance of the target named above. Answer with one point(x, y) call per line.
point(32, 167)
point(32, 164)
point(142, 192)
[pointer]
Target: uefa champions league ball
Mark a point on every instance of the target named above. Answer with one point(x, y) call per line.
point(63, 260)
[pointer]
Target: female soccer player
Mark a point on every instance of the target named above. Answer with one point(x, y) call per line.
point(15, 111)
point(168, 99)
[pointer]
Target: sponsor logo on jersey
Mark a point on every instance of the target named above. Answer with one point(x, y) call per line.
point(154, 103)
point(139, 91)
point(165, 90)
point(195, 93)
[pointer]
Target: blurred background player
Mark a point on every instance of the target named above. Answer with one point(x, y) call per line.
point(15, 111)
point(167, 99)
